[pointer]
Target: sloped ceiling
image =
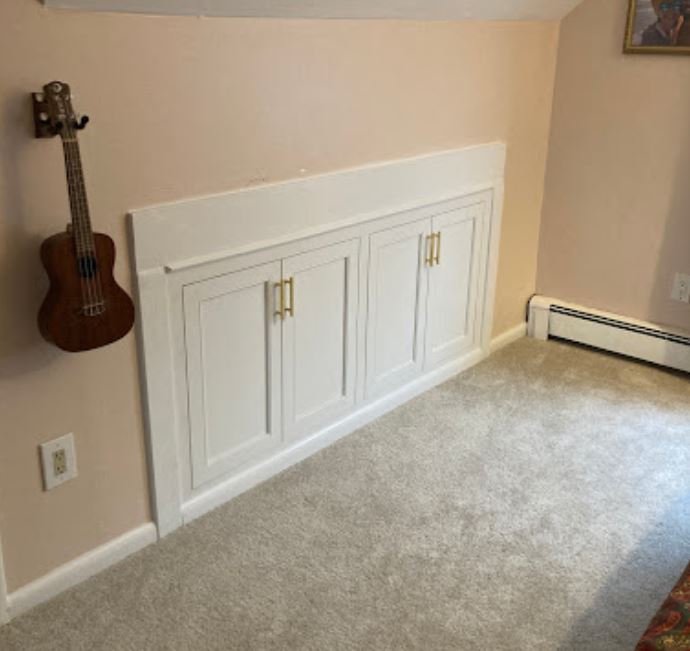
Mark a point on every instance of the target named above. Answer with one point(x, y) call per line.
point(404, 9)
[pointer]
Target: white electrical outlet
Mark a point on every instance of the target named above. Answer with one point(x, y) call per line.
point(681, 288)
point(59, 461)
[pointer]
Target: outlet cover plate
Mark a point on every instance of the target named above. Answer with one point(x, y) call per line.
point(60, 446)
point(681, 288)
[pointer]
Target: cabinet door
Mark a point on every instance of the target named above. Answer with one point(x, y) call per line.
point(453, 285)
point(233, 369)
point(320, 337)
point(396, 306)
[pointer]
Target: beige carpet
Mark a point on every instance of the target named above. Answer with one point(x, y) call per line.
point(539, 501)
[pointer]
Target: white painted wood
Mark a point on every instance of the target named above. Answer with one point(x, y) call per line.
point(177, 281)
point(397, 9)
point(538, 324)
point(320, 338)
point(611, 333)
point(80, 569)
point(453, 284)
point(233, 369)
point(4, 612)
point(489, 271)
point(508, 337)
point(397, 306)
point(200, 231)
point(191, 242)
point(304, 448)
point(156, 369)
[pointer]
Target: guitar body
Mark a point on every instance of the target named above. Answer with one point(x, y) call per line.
point(85, 307)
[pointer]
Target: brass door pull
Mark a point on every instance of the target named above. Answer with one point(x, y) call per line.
point(434, 249)
point(430, 239)
point(283, 311)
point(291, 310)
point(437, 254)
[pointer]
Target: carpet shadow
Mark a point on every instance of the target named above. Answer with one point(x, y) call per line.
point(633, 593)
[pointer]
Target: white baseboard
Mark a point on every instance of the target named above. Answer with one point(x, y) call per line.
point(255, 475)
point(80, 569)
point(508, 337)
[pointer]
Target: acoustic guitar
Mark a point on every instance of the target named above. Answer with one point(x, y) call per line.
point(85, 307)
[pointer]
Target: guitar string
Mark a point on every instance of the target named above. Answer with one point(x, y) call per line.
point(87, 235)
point(87, 239)
point(75, 222)
point(82, 243)
point(100, 302)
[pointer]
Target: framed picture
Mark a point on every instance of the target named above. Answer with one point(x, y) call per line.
point(658, 27)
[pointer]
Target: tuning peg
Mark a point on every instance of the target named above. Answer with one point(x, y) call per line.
point(81, 123)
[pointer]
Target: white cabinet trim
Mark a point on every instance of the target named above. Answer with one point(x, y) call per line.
point(357, 9)
point(184, 234)
point(188, 241)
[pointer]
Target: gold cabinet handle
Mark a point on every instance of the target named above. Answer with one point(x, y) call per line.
point(291, 310)
point(437, 254)
point(281, 310)
point(430, 239)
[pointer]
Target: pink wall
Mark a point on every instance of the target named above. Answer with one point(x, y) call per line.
point(185, 106)
point(616, 220)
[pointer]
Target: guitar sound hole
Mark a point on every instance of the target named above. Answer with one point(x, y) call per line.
point(88, 266)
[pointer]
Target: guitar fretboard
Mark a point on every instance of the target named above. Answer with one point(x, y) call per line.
point(79, 207)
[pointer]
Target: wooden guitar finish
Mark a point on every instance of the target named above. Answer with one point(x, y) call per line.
point(85, 307)
point(63, 319)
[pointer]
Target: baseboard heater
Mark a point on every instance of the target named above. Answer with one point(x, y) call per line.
point(549, 317)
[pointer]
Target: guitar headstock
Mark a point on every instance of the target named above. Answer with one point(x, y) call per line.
point(53, 112)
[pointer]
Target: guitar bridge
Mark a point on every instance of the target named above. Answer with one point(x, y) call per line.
point(93, 309)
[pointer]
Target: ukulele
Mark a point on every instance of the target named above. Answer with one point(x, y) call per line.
point(85, 307)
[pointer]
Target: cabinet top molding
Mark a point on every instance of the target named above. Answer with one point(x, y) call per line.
point(196, 231)
point(392, 9)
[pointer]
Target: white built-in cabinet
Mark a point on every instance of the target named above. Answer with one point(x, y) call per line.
point(397, 291)
point(451, 325)
point(270, 355)
point(272, 349)
point(319, 337)
point(422, 296)
point(275, 320)
point(233, 369)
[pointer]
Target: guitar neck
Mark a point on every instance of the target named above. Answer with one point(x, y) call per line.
point(79, 206)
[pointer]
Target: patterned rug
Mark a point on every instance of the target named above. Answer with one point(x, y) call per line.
point(670, 629)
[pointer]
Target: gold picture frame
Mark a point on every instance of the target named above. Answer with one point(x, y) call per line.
point(648, 28)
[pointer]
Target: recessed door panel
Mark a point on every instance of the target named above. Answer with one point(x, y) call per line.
point(453, 280)
point(233, 369)
point(319, 337)
point(396, 302)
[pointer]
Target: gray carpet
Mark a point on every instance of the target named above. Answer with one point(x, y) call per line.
point(538, 501)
